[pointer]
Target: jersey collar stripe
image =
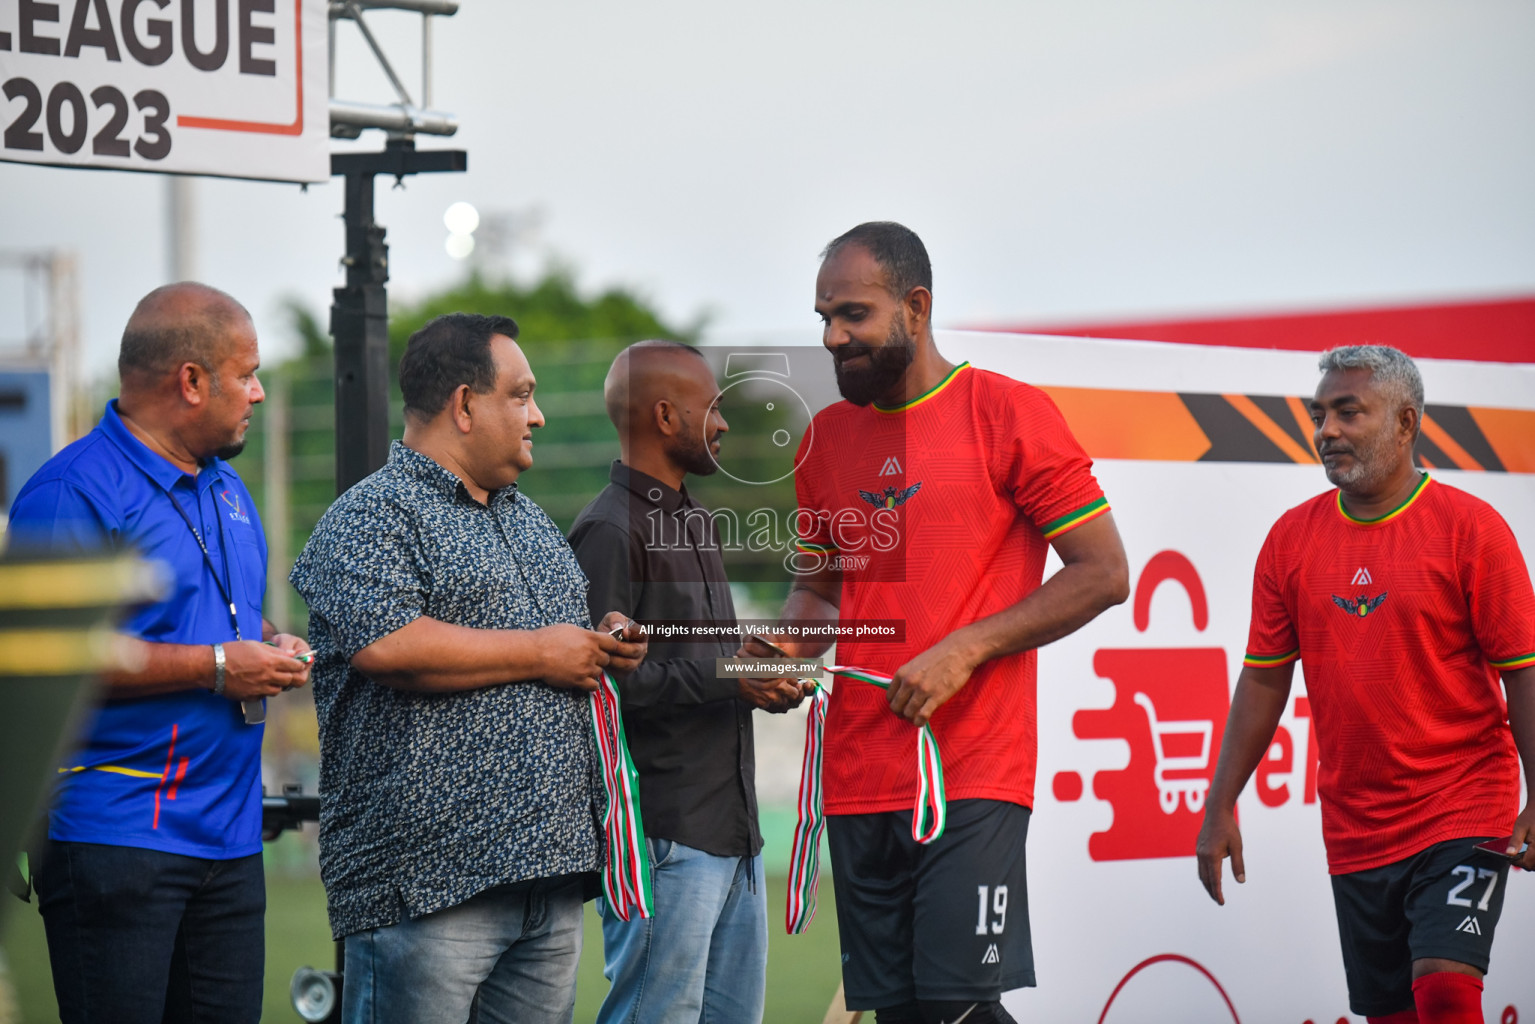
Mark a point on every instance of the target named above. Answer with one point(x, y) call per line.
point(1523, 661)
point(1270, 660)
point(929, 394)
point(1072, 520)
point(815, 549)
point(1403, 507)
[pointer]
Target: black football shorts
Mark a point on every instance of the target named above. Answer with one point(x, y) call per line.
point(946, 921)
point(1441, 902)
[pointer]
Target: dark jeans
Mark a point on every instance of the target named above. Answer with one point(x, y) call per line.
point(143, 937)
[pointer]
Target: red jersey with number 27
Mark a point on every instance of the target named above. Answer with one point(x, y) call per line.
point(1401, 625)
point(941, 513)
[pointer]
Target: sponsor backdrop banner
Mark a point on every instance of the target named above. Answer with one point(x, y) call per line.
point(1200, 449)
point(223, 87)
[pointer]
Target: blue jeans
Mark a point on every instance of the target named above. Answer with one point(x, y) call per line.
point(139, 936)
point(506, 955)
point(702, 959)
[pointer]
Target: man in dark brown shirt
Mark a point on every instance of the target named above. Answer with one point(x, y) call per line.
point(650, 550)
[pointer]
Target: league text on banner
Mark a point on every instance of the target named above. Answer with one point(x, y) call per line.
point(235, 88)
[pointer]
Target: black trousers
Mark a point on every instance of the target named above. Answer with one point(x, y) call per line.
point(144, 937)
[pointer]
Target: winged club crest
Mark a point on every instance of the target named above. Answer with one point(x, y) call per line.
point(890, 497)
point(1360, 606)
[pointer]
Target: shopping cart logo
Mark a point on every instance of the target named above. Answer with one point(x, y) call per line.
point(1170, 708)
point(1176, 775)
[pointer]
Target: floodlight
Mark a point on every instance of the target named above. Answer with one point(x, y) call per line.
point(461, 218)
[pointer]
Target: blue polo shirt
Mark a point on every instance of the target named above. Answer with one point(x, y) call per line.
point(179, 772)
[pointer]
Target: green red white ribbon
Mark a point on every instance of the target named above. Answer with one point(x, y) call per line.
point(626, 877)
point(805, 854)
point(929, 813)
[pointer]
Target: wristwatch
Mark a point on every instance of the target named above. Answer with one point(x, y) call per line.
point(218, 669)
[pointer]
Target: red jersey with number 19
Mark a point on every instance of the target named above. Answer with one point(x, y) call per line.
point(939, 513)
point(1401, 625)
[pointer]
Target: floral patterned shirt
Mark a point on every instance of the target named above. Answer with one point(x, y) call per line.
point(429, 799)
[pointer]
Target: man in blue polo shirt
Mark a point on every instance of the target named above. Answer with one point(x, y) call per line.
point(152, 891)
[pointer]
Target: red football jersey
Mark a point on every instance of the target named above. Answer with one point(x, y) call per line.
point(940, 513)
point(1401, 624)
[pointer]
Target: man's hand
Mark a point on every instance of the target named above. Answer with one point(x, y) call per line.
point(1219, 837)
point(626, 657)
point(1524, 832)
point(289, 644)
point(254, 669)
point(924, 683)
point(574, 658)
point(772, 695)
point(755, 646)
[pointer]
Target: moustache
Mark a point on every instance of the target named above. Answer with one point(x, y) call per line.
point(852, 351)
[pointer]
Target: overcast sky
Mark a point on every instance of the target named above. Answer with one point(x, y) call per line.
point(1084, 160)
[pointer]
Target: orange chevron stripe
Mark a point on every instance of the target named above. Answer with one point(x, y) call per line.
point(1511, 435)
point(1302, 418)
point(1158, 426)
point(1271, 430)
point(1449, 446)
point(1131, 424)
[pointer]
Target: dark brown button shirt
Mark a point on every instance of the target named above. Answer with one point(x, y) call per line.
point(651, 552)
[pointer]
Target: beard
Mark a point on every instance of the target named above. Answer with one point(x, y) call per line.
point(1373, 462)
point(693, 453)
point(887, 364)
point(230, 450)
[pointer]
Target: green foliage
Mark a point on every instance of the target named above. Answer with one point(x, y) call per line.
point(549, 311)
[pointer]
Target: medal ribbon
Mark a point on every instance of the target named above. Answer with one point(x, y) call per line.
point(626, 877)
point(805, 854)
point(929, 813)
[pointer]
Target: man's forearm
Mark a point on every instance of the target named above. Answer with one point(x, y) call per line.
point(1063, 604)
point(147, 669)
point(1259, 701)
point(431, 656)
point(1093, 577)
point(808, 603)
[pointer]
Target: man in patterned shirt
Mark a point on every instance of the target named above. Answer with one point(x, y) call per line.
point(457, 767)
point(1405, 599)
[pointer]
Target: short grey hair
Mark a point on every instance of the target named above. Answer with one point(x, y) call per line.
point(1388, 366)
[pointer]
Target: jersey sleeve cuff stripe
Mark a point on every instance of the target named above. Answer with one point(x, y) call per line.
point(815, 549)
point(1270, 660)
point(1072, 520)
point(1523, 661)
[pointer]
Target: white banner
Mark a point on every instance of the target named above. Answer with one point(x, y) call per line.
point(1131, 708)
point(236, 88)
